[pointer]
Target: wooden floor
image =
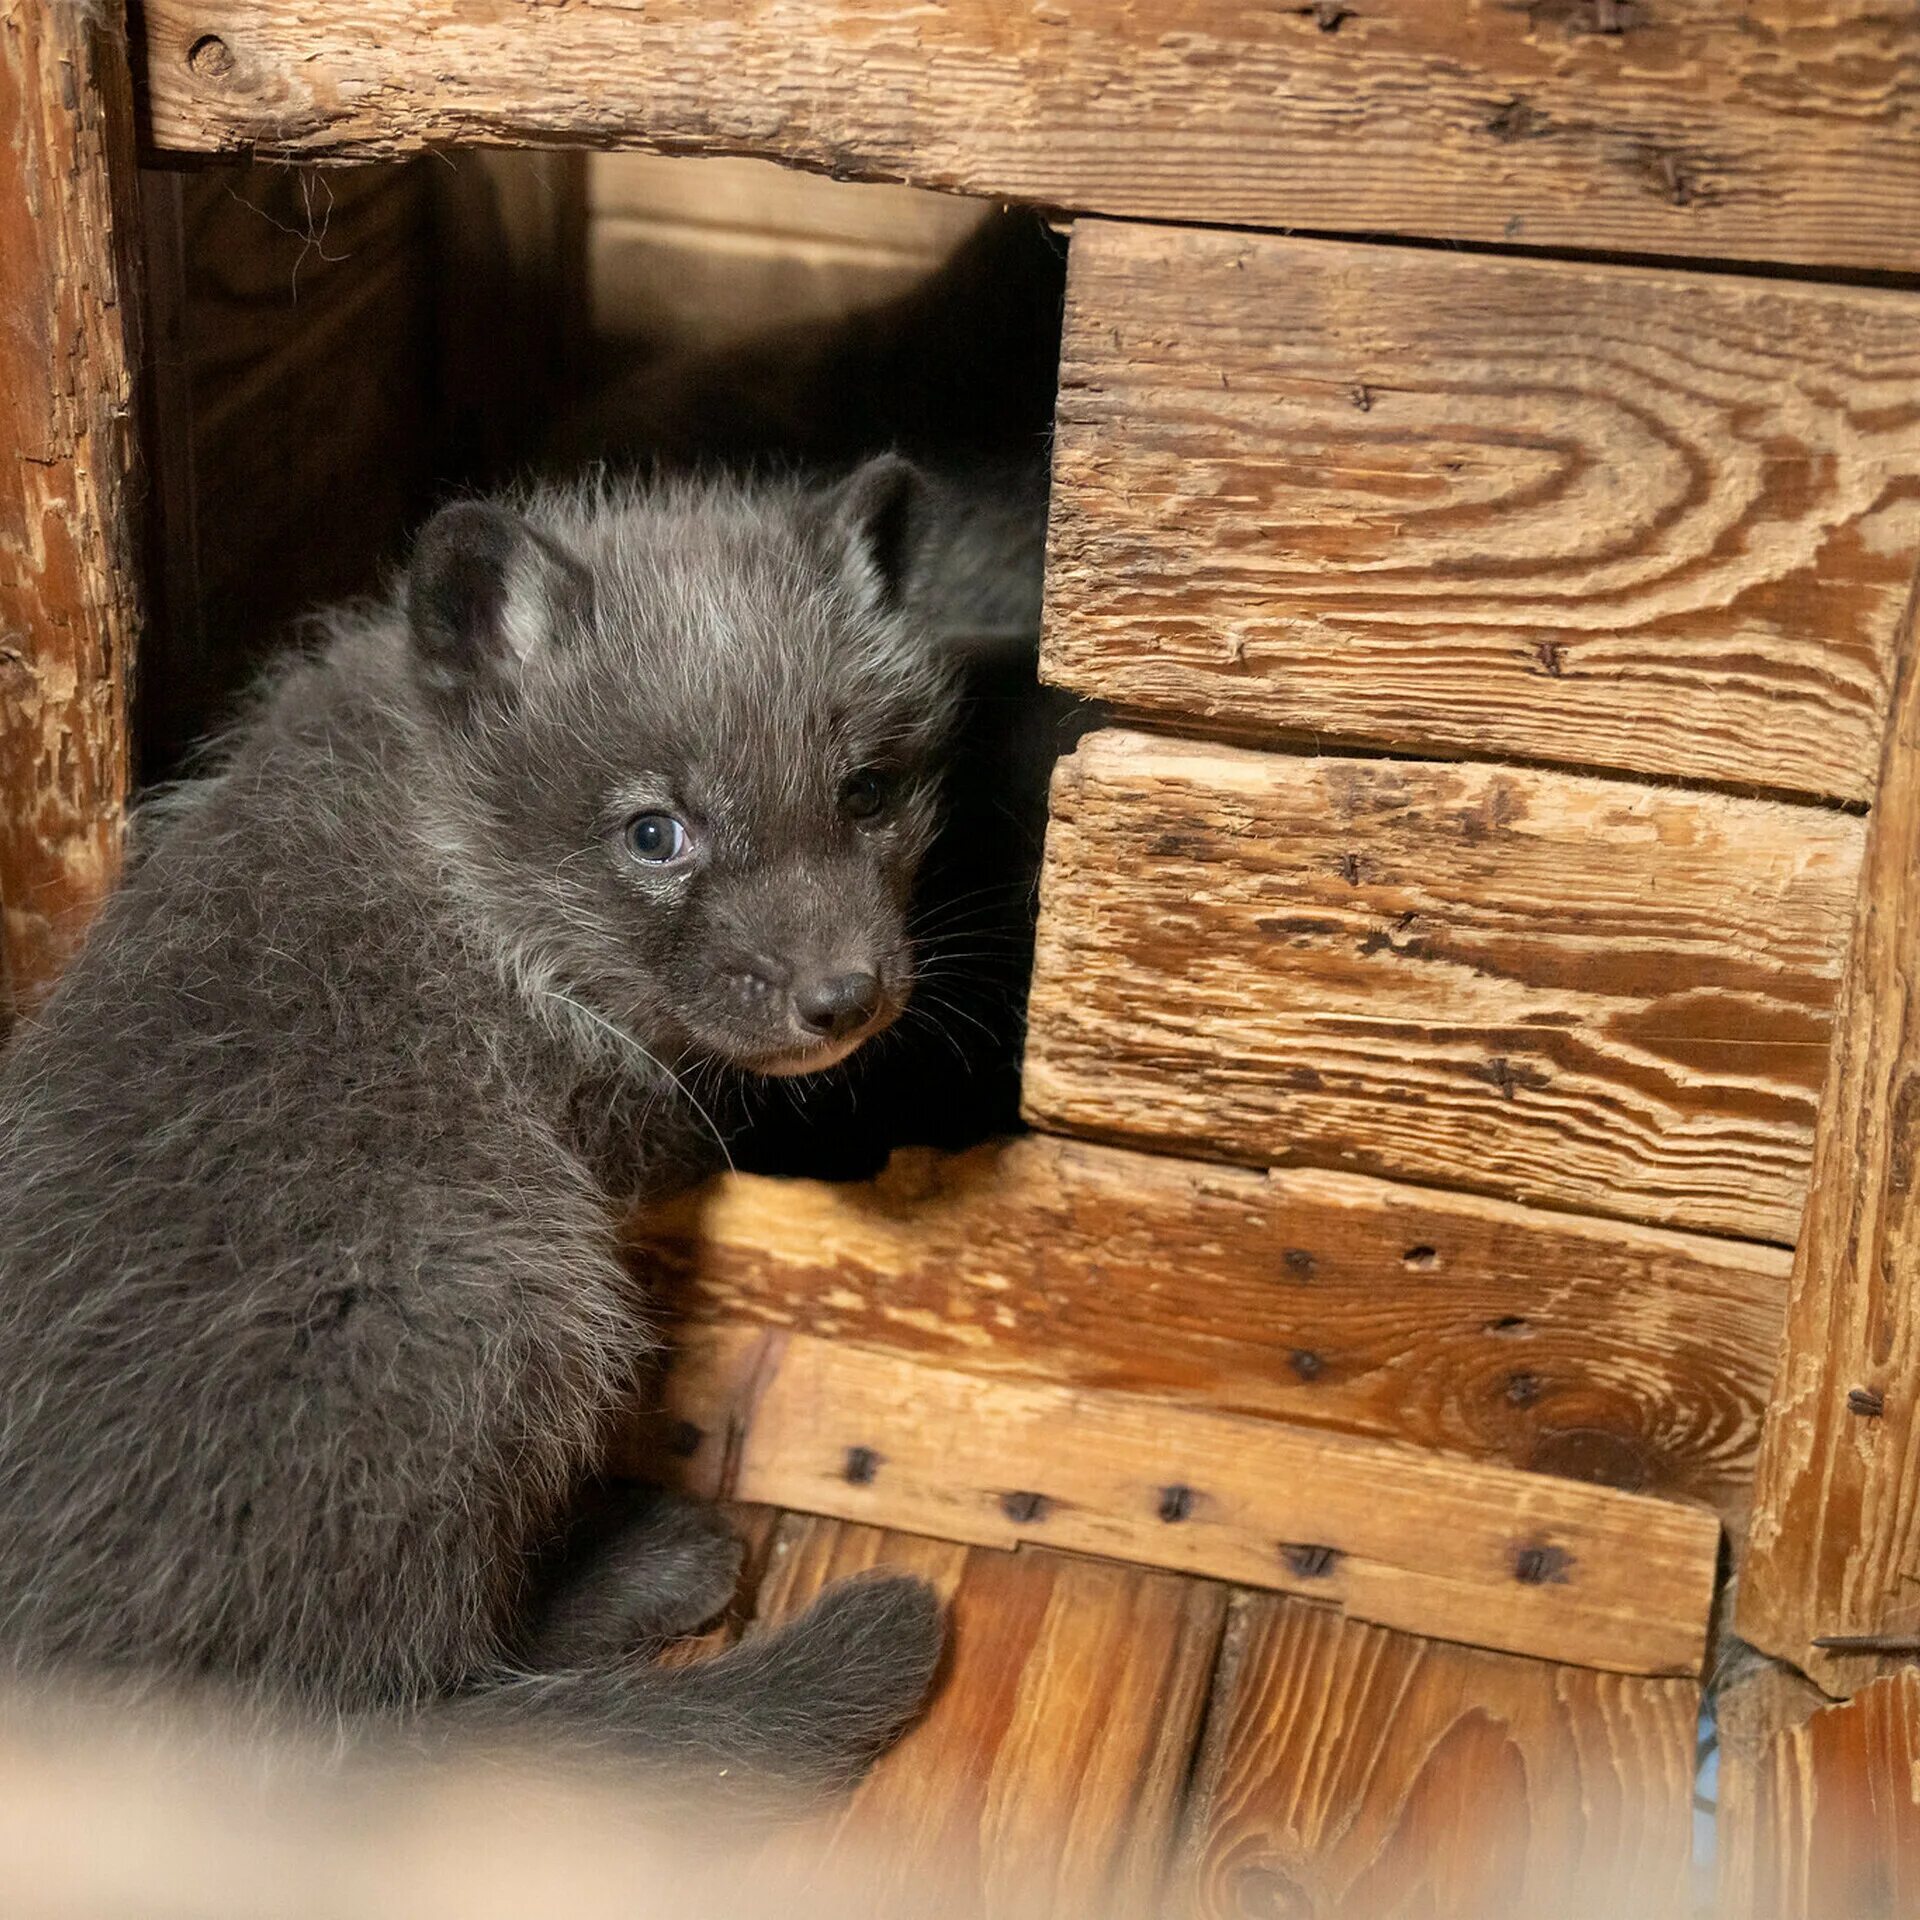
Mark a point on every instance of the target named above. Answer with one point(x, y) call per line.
point(1112, 1740)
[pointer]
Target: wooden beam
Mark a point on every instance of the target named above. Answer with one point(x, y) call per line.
point(1836, 1539)
point(1750, 131)
point(69, 579)
point(1602, 996)
point(1047, 1775)
point(1459, 1550)
point(1497, 508)
point(1834, 1824)
point(1587, 1348)
point(1350, 1772)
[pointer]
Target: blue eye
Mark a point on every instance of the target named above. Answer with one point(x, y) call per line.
point(658, 839)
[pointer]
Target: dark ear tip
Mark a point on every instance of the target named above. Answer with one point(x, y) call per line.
point(882, 508)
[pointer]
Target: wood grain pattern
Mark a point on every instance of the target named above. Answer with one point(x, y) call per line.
point(1752, 1706)
point(292, 417)
point(1837, 1811)
point(1837, 1497)
point(1350, 1773)
point(1597, 995)
point(1756, 129)
point(69, 584)
point(1046, 1778)
point(1665, 523)
point(1457, 1549)
point(1593, 1349)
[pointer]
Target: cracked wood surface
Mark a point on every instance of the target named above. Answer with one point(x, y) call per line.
point(1658, 522)
point(1460, 1550)
point(1591, 1349)
point(1836, 1534)
point(1551, 988)
point(1739, 129)
point(69, 599)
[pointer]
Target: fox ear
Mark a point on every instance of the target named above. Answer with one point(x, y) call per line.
point(487, 595)
point(879, 519)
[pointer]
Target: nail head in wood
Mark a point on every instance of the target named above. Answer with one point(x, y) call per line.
point(1024, 1509)
point(1307, 1561)
point(862, 1463)
point(1541, 1566)
point(1176, 1503)
point(1869, 1402)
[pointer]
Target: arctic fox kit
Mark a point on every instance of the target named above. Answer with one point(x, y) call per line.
point(311, 1319)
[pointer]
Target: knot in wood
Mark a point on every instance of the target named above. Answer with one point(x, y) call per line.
point(210, 58)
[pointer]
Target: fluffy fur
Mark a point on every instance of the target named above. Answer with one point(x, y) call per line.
point(310, 1315)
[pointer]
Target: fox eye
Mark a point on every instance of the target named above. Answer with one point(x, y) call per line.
point(658, 839)
point(864, 795)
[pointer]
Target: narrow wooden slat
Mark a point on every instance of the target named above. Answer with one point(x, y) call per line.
point(1752, 1707)
point(1350, 1773)
point(1657, 522)
point(1594, 1349)
point(1046, 1778)
point(1836, 1539)
point(1601, 996)
point(1456, 1549)
point(1836, 1814)
point(1758, 130)
point(69, 585)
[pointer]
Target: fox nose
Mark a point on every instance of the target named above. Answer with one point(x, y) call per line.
point(838, 1005)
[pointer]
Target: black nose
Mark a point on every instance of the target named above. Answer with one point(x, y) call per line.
point(836, 1006)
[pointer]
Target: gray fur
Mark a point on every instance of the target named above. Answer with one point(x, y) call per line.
point(311, 1320)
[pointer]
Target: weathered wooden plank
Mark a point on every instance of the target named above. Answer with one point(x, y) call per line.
point(1753, 1704)
point(1746, 128)
point(1458, 1549)
point(1602, 996)
point(1350, 1772)
point(1659, 522)
point(69, 585)
point(1836, 1538)
point(1597, 1350)
point(1046, 1777)
point(1836, 1811)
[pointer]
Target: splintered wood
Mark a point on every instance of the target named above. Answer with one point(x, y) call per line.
point(1588, 1348)
point(1766, 130)
point(1488, 507)
point(1834, 1818)
point(1553, 988)
point(68, 603)
point(1047, 1776)
point(1350, 1773)
point(1834, 1552)
point(1460, 1550)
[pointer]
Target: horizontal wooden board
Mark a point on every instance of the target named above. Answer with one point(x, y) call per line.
point(1560, 989)
point(1750, 129)
point(1527, 509)
point(1047, 1776)
point(1592, 1349)
point(1350, 1773)
point(1457, 1549)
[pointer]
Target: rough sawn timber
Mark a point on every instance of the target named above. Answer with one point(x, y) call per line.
point(1047, 1774)
point(1522, 509)
point(1593, 1349)
point(1743, 129)
point(1553, 988)
point(1458, 1550)
point(69, 596)
point(1836, 1535)
point(1350, 1772)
